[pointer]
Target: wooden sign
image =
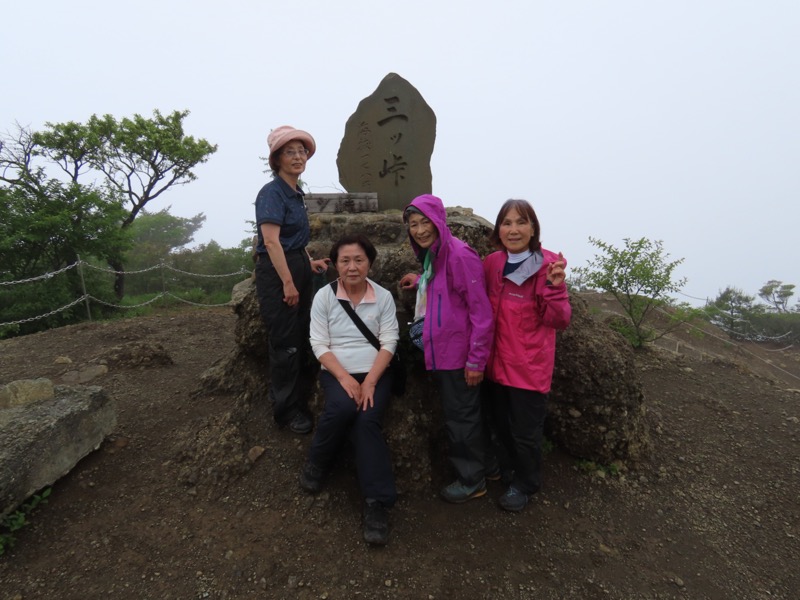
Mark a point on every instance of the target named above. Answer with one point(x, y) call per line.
point(342, 203)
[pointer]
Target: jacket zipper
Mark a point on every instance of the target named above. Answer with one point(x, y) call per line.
point(430, 329)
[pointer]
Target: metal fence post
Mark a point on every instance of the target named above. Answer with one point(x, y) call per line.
point(163, 283)
point(83, 288)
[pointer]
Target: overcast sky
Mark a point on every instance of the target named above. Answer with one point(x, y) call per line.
point(673, 120)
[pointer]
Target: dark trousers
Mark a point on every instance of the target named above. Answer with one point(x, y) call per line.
point(516, 418)
point(287, 328)
point(462, 415)
point(341, 418)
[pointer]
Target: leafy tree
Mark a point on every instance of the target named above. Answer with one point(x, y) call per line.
point(640, 277)
point(156, 236)
point(777, 294)
point(45, 225)
point(163, 232)
point(138, 158)
point(732, 312)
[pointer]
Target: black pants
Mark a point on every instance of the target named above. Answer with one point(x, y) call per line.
point(462, 415)
point(287, 328)
point(516, 418)
point(341, 418)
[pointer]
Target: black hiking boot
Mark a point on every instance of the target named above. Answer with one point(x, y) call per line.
point(376, 523)
point(311, 478)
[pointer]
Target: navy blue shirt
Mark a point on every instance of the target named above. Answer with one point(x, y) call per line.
point(279, 204)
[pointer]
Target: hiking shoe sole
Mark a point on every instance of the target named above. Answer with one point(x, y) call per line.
point(461, 498)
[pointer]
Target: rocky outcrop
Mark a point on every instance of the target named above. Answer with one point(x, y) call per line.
point(597, 408)
point(597, 405)
point(42, 441)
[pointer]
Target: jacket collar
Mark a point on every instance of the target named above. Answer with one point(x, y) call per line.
point(529, 267)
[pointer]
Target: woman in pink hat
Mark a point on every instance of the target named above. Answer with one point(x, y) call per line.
point(283, 274)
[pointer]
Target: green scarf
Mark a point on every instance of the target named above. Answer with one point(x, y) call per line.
point(422, 286)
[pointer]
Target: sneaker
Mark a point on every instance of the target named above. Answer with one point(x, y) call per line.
point(457, 492)
point(514, 500)
point(376, 523)
point(301, 424)
point(311, 478)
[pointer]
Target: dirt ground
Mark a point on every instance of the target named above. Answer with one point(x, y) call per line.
point(714, 513)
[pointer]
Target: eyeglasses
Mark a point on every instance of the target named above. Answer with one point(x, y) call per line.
point(303, 152)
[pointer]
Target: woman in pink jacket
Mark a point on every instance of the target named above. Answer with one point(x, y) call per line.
point(530, 302)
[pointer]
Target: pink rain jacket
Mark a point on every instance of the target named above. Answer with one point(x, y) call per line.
point(527, 313)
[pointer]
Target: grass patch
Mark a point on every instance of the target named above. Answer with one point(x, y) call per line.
point(15, 521)
point(589, 466)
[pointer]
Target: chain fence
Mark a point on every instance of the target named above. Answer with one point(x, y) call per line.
point(741, 347)
point(49, 314)
point(88, 298)
point(732, 333)
point(41, 277)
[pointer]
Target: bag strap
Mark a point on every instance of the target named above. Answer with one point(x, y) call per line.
point(362, 327)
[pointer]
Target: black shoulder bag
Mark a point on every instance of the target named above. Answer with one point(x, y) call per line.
point(397, 366)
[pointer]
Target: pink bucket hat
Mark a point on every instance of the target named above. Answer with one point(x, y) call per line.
point(284, 134)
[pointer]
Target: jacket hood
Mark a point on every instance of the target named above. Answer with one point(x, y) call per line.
point(432, 207)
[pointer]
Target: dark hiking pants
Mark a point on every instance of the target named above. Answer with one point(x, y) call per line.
point(290, 367)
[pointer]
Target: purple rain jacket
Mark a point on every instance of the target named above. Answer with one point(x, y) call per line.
point(459, 325)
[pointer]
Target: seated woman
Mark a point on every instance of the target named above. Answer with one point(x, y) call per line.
point(355, 380)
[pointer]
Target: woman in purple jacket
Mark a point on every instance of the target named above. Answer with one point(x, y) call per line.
point(455, 317)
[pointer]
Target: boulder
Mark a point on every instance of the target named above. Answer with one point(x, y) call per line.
point(25, 391)
point(84, 375)
point(597, 408)
point(43, 441)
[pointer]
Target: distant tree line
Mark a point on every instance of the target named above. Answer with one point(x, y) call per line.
point(742, 318)
point(162, 238)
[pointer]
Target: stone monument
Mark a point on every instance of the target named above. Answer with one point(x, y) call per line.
point(388, 143)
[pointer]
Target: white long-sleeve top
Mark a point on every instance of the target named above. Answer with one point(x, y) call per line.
point(332, 329)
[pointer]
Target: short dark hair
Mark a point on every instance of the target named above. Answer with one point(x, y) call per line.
point(354, 238)
point(525, 210)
